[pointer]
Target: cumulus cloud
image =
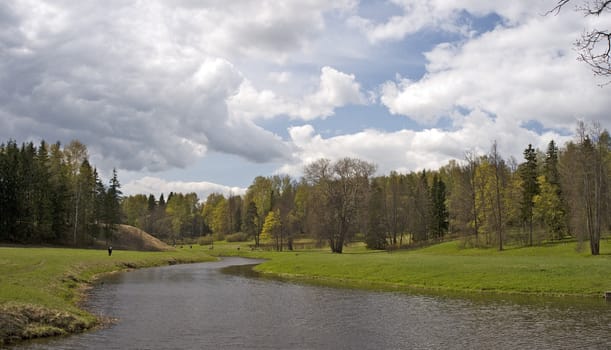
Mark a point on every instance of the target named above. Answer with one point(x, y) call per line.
point(409, 150)
point(443, 15)
point(520, 72)
point(270, 30)
point(335, 89)
point(156, 85)
point(157, 186)
point(146, 85)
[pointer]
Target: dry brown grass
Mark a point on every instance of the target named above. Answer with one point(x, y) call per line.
point(132, 238)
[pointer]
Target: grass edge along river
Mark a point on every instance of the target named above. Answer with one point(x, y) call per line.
point(42, 287)
point(556, 269)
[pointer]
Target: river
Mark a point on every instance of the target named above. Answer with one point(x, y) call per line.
point(202, 306)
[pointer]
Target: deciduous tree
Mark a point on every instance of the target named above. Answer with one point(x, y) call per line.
point(341, 188)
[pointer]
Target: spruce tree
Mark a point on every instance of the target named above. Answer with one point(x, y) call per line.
point(44, 208)
point(112, 207)
point(530, 188)
point(558, 224)
point(440, 215)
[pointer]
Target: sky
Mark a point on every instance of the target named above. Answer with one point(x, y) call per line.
point(203, 96)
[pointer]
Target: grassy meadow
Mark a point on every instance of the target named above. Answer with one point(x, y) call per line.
point(553, 269)
point(41, 287)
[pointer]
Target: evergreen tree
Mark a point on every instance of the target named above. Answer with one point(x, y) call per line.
point(99, 206)
point(9, 209)
point(530, 188)
point(84, 205)
point(375, 236)
point(60, 193)
point(112, 209)
point(249, 224)
point(420, 211)
point(553, 205)
point(440, 215)
point(44, 206)
point(26, 193)
point(151, 203)
point(550, 165)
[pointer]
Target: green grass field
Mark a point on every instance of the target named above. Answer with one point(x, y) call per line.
point(554, 269)
point(50, 276)
point(40, 282)
point(46, 284)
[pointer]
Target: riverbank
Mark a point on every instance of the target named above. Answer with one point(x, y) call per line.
point(43, 287)
point(556, 269)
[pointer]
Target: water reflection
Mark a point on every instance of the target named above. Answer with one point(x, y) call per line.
point(199, 307)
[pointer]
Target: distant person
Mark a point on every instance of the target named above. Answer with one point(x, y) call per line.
point(109, 250)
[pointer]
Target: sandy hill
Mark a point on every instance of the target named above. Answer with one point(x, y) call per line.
point(132, 238)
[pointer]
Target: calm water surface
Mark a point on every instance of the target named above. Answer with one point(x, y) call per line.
point(199, 306)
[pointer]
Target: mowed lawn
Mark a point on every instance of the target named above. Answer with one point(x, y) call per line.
point(51, 277)
point(554, 269)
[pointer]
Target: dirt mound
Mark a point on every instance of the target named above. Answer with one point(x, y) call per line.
point(132, 238)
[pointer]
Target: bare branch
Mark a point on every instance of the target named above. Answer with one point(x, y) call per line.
point(594, 46)
point(594, 49)
point(558, 7)
point(598, 7)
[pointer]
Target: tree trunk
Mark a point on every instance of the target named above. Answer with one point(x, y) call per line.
point(530, 228)
point(595, 246)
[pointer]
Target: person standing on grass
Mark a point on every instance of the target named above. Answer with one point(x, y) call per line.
point(109, 250)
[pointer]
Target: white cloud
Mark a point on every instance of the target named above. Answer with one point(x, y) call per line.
point(443, 15)
point(157, 186)
point(132, 81)
point(280, 77)
point(521, 73)
point(156, 85)
point(335, 89)
point(269, 30)
point(409, 150)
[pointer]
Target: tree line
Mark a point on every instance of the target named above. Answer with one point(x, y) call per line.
point(485, 200)
point(51, 194)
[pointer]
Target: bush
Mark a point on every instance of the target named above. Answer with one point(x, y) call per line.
point(205, 240)
point(237, 237)
point(218, 236)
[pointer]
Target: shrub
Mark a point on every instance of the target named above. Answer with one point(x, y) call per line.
point(218, 236)
point(237, 237)
point(205, 240)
